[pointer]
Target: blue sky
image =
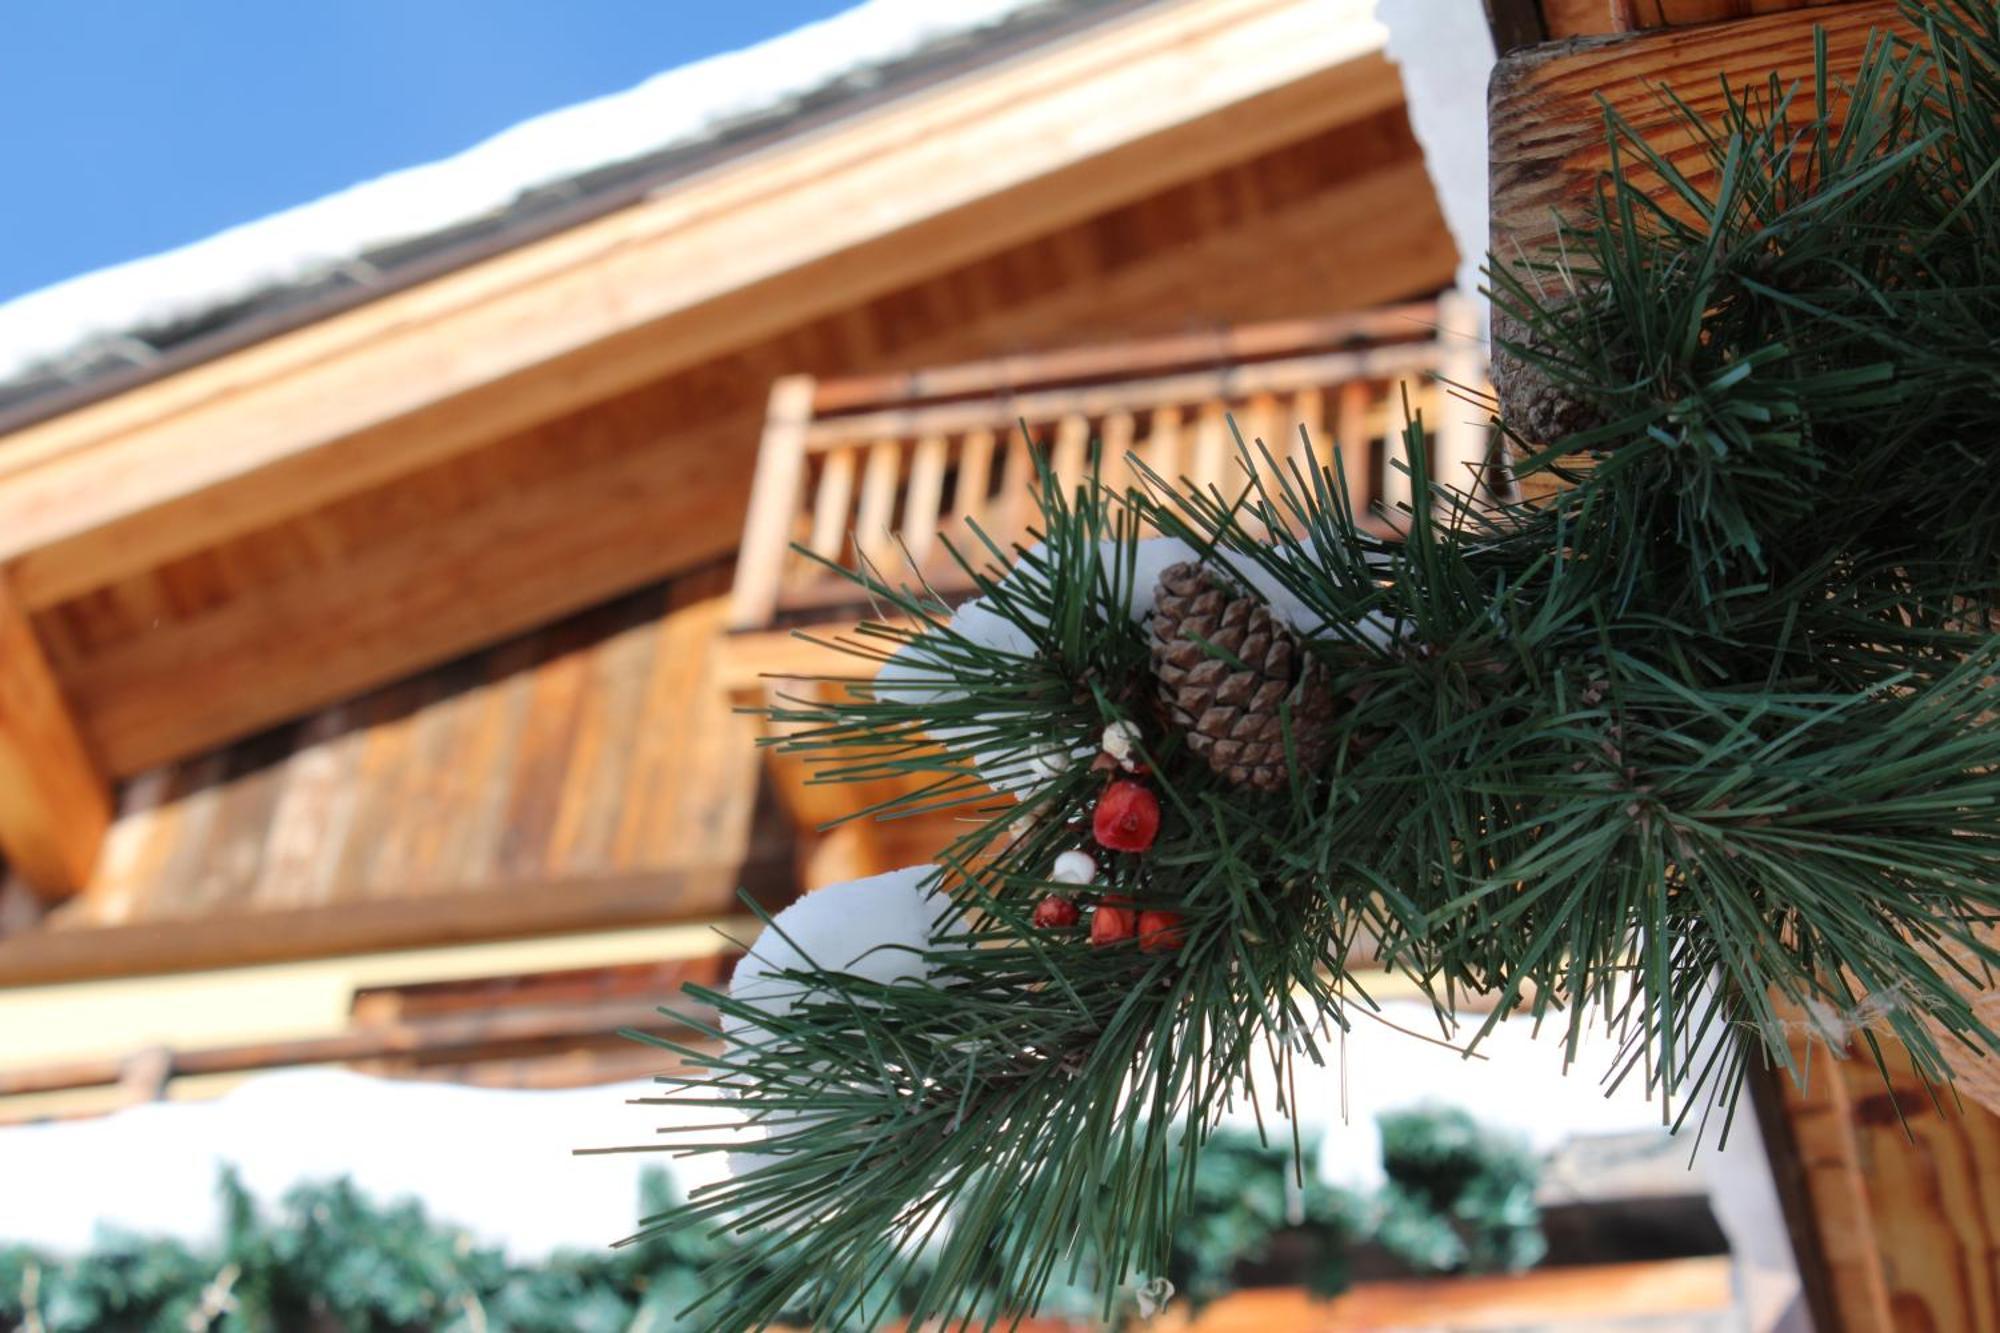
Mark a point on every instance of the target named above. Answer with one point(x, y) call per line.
point(133, 126)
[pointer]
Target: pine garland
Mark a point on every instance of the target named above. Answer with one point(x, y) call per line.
point(1700, 743)
point(1458, 1198)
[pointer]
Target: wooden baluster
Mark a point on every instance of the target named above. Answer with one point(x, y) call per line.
point(1115, 445)
point(873, 537)
point(1390, 416)
point(1015, 509)
point(975, 478)
point(1162, 449)
point(921, 503)
point(1304, 425)
point(1258, 423)
point(1353, 454)
point(1209, 465)
point(1307, 435)
point(833, 505)
point(1070, 458)
point(1411, 401)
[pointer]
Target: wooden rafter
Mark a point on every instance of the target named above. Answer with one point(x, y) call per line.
point(55, 803)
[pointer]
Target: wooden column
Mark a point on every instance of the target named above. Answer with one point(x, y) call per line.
point(55, 803)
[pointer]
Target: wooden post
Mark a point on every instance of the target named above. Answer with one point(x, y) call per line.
point(55, 803)
point(774, 500)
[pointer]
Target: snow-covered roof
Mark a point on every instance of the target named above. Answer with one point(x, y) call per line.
point(544, 173)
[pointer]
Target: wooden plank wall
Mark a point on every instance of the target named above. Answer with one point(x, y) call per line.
point(368, 589)
point(602, 746)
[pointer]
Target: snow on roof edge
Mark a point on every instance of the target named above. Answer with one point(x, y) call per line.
point(681, 106)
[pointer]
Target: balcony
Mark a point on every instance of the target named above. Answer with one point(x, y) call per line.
point(875, 469)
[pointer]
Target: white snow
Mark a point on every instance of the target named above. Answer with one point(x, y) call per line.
point(875, 928)
point(1445, 52)
point(681, 106)
point(501, 1163)
point(498, 1162)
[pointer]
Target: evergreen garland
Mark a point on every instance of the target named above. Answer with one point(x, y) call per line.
point(328, 1259)
point(1701, 742)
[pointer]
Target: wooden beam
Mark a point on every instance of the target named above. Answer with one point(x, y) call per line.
point(1412, 321)
point(463, 1034)
point(1089, 400)
point(1546, 124)
point(55, 803)
point(410, 921)
point(719, 262)
point(1590, 18)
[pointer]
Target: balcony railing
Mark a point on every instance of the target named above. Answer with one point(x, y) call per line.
point(873, 468)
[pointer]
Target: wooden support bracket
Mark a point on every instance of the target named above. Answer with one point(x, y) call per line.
point(55, 803)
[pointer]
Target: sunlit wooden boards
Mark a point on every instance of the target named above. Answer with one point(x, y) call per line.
point(605, 747)
point(1902, 1184)
point(1590, 18)
point(1546, 122)
point(54, 803)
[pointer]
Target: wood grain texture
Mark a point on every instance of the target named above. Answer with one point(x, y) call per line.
point(1590, 18)
point(1903, 1185)
point(1546, 140)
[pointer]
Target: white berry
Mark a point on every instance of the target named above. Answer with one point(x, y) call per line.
point(1121, 742)
point(1074, 868)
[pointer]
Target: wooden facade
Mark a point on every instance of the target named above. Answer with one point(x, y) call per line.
point(348, 657)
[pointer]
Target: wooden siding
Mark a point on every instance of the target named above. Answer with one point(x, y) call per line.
point(600, 748)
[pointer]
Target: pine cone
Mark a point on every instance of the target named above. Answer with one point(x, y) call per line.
point(1534, 406)
point(1231, 713)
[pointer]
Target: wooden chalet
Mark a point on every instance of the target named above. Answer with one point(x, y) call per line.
point(378, 650)
point(371, 655)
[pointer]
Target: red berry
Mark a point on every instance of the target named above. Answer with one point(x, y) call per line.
point(1055, 912)
point(1160, 932)
point(1112, 923)
point(1127, 818)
